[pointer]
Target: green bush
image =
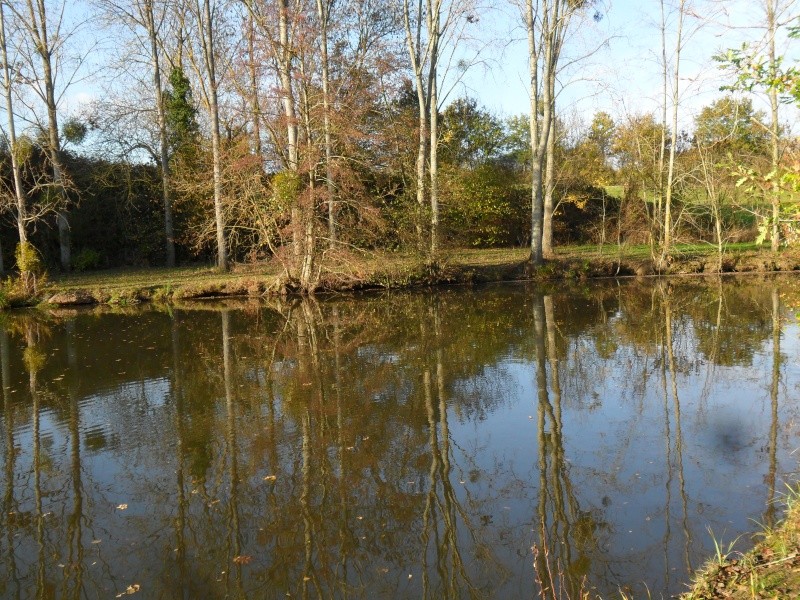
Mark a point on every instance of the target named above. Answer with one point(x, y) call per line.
point(86, 260)
point(482, 207)
point(28, 259)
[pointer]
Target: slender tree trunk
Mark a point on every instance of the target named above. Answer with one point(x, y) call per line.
point(284, 60)
point(37, 26)
point(413, 44)
point(287, 95)
point(546, 52)
point(549, 188)
point(434, 15)
point(209, 57)
point(774, 130)
point(255, 103)
point(169, 234)
point(537, 209)
point(433, 167)
point(667, 241)
point(656, 241)
point(19, 193)
point(323, 13)
point(422, 146)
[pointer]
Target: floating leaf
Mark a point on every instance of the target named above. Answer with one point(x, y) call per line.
point(122, 506)
point(130, 590)
point(243, 559)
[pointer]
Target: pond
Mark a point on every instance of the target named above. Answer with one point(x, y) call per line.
point(459, 443)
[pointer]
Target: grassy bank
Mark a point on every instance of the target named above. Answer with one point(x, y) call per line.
point(770, 570)
point(394, 270)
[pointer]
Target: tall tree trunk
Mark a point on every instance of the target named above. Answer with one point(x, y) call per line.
point(287, 95)
point(774, 129)
point(284, 60)
point(549, 188)
point(169, 234)
point(414, 46)
point(433, 167)
point(537, 209)
point(255, 103)
point(422, 146)
point(209, 57)
point(673, 145)
point(657, 232)
point(434, 14)
point(544, 51)
point(38, 28)
point(19, 193)
point(323, 13)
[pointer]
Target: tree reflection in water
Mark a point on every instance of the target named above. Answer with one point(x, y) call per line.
point(415, 445)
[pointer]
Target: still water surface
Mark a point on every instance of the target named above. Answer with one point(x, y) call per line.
point(456, 444)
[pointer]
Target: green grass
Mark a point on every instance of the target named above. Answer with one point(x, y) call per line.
point(155, 277)
point(643, 250)
point(384, 269)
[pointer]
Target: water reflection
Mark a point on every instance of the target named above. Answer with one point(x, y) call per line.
point(462, 444)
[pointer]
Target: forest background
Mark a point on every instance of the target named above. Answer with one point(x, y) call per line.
point(315, 132)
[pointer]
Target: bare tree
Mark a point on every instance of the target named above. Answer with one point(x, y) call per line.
point(433, 31)
point(16, 169)
point(147, 21)
point(547, 25)
point(205, 66)
point(152, 27)
point(42, 49)
point(324, 15)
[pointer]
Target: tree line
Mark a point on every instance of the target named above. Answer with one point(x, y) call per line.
point(309, 131)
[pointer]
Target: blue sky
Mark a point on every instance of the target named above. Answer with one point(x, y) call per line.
point(623, 73)
point(620, 75)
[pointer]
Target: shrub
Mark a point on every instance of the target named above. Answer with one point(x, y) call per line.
point(87, 259)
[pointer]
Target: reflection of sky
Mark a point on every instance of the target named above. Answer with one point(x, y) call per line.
point(623, 460)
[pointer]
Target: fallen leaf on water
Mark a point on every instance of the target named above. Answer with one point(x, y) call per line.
point(122, 506)
point(96, 541)
point(243, 559)
point(130, 590)
point(270, 478)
